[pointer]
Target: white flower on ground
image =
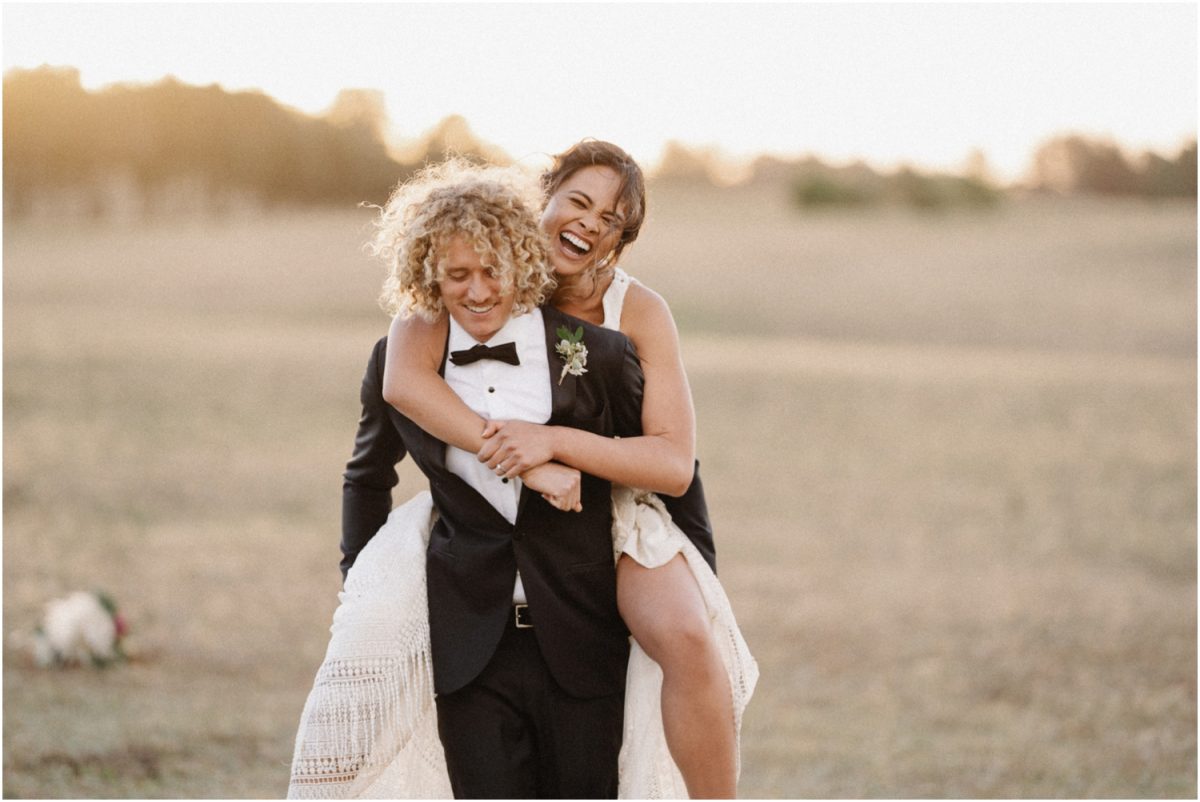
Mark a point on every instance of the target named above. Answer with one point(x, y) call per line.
point(79, 629)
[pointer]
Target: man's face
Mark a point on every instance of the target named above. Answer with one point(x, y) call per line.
point(471, 291)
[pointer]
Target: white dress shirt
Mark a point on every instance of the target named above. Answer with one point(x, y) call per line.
point(497, 390)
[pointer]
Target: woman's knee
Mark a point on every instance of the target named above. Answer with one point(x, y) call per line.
point(692, 637)
point(677, 638)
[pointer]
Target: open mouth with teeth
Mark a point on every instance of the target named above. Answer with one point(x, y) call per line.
point(574, 245)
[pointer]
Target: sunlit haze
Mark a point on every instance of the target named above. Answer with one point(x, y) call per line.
point(925, 84)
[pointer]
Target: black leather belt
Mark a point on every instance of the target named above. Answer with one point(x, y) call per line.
point(522, 617)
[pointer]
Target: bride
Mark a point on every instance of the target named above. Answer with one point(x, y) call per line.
point(369, 728)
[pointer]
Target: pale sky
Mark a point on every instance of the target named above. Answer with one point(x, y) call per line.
point(888, 83)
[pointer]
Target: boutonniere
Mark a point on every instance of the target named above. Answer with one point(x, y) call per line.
point(574, 353)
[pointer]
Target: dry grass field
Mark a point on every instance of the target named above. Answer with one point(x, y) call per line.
point(951, 462)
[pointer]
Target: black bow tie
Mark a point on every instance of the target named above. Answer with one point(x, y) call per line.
point(505, 352)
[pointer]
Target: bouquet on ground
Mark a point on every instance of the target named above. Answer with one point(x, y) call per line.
point(80, 629)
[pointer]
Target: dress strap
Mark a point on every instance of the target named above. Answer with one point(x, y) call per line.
point(614, 298)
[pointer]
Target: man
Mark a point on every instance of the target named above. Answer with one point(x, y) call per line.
point(529, 652)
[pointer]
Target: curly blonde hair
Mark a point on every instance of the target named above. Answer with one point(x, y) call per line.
point(495, 209)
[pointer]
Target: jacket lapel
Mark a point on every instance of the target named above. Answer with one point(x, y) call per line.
point(562, 395)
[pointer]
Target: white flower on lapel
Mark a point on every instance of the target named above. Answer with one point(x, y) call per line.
point(573, 352)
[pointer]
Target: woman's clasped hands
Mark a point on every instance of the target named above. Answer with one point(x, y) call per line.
point(515, 448)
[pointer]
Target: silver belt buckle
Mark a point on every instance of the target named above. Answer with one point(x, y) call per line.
point(521, 616)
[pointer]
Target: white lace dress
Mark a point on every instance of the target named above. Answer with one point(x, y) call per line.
point(369, 727)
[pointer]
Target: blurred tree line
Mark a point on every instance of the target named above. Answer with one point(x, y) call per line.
point(812, 184)
point(1079, 165)
point(139, 150)
point(1065, 165)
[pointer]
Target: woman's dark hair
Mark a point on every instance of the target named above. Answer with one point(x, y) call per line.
point(596, 153)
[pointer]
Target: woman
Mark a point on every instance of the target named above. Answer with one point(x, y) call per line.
point(595, 206)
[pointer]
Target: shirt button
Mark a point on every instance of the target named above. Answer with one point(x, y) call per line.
point(491, 389)
point(504, 481)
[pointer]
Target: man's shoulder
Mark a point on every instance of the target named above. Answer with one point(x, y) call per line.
point(377, 359)
point(379, 349)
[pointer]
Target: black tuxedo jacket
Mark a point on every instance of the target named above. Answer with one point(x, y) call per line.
point(371, 473)
point(565, 558)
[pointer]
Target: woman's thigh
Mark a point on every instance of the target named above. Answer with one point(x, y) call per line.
point(662, 607)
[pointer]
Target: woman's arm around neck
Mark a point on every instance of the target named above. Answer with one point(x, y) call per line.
point(412, 384)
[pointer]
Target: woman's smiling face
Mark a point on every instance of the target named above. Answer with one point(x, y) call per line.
point(582, 219)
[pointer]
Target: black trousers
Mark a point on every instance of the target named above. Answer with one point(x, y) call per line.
point(513, 733)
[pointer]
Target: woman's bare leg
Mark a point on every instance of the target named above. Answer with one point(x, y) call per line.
point(665, 612)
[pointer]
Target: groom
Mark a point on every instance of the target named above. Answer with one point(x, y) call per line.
point(529, 652)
